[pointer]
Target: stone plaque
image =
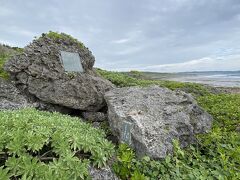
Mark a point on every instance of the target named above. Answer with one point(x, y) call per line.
point(71, 61)
point(126, 132)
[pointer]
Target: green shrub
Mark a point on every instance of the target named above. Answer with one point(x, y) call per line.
point(225, 108)
point(43, 145)
point(191, 163)
point(136, 74)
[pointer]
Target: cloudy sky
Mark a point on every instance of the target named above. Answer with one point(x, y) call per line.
point(148, 35)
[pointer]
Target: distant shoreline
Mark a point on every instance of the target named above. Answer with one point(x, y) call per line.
point(218, 79)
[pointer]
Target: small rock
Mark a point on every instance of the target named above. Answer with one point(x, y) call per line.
point(238, 128)
point(94, 116)
point(102, 174)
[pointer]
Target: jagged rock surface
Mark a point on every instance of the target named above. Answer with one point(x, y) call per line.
point(150, 118)
point(39, 71)
point(10, 97)
point(102, 174)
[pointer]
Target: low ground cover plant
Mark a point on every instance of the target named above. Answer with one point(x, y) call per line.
point(44, 145)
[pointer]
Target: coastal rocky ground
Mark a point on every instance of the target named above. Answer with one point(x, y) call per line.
point(148, 119)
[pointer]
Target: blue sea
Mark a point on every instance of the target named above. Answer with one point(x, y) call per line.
point(213, 78)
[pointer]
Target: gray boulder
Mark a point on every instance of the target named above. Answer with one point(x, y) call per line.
point(102, 174)
point(149, 119)
point(39, 71)
point(10, 97)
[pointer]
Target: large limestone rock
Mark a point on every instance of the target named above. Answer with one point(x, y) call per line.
point(150, 118)
point(40, 72)
point(10, 97)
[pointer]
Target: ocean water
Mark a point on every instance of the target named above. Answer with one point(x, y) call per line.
point(213, 78)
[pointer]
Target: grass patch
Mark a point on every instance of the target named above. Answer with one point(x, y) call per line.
point(3, 59)
point(65, 37)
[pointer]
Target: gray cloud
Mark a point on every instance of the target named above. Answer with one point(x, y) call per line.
point(132, 34)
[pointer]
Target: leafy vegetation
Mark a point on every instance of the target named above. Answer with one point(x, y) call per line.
point(43, 145)
point(64, 37)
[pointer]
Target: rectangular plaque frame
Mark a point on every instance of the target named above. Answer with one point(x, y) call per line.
point(71, 61)
point(126, 132)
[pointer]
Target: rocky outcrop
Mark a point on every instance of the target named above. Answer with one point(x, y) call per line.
point(39, 71)
point(10, 97)
point(150, 118)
